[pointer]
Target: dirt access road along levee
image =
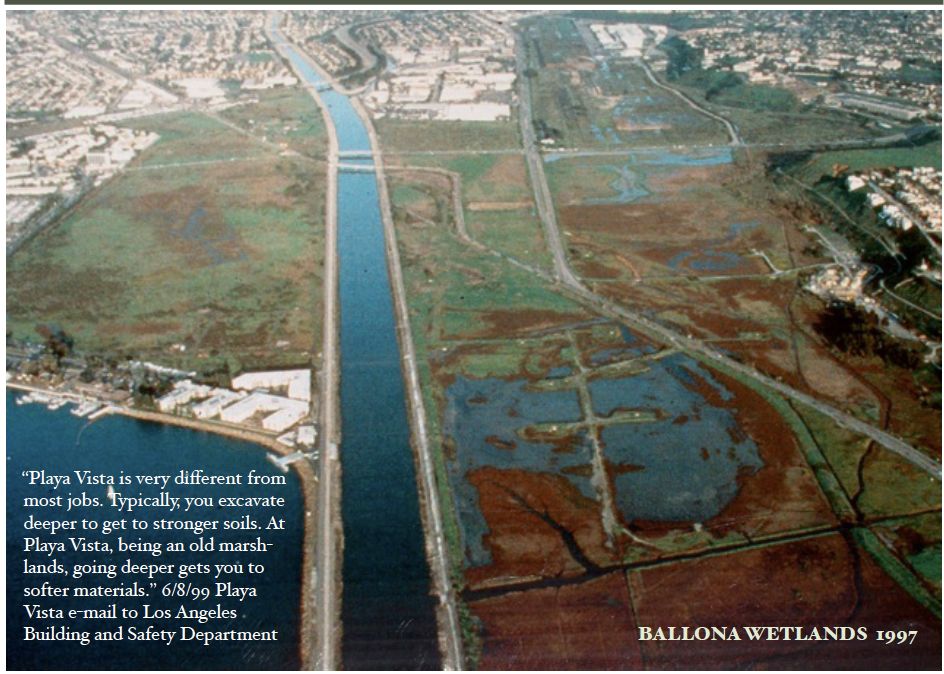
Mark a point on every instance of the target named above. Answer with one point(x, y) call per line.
point(447, 617)
point(324, 598)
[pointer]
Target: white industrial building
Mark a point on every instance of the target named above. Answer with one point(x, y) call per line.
point(214, 405)
point(627, 38)
point(285, 411)
point(297, 382)
point(201, 87)
point(279, 413)
point(306, 435)
point(183, 392)
point(282, 420)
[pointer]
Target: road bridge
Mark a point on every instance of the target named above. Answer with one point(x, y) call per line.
point(356, 168)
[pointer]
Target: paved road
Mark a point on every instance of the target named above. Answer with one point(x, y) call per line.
point(691, 345)
point(197, 162)
point(542, 194)
point(733, 133)
point(807, 146)
point(433, 153)
point(564, 275)
point(326, 569)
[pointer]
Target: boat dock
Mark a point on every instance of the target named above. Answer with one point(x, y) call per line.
point(86, 408)
point(282, 462)
point(107, 409)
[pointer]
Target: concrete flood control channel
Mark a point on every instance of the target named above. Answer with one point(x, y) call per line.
point(388, 615)
point(387, 612)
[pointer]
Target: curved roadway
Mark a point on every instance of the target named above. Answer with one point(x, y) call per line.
point(565, 276)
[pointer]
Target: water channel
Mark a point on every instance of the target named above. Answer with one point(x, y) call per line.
point(387, 612)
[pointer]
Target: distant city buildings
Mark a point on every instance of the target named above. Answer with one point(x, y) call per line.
point(628, 39)
point(87, 63)
point(445, 66)
point(55, 164)
point(43, 77)
point(887, 54)
point(903, 197)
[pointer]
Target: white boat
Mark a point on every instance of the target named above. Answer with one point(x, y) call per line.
point(110, 493)
point(27, 398)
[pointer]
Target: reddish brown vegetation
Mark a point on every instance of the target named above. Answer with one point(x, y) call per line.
point(576, 627)
point(519, 322)
point(522, 542)
point(783, 495)
point(817, 582)
point(593, 269)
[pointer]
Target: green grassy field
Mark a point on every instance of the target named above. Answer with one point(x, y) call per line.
point(578, 179)
point(801, 126)
point(496, 196)
point(771, 114)
point(928, 154)
point(286, 117)
point(451, 285)
point(885, 484)
point(223, 258)
point(922, 292)
point(189, 137)
point(925, 561)
point(616, 107)
point(398, 135)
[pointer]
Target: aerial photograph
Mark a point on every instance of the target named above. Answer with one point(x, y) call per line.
point(473, 339)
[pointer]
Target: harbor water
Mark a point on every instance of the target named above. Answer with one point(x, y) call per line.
point(59, 443)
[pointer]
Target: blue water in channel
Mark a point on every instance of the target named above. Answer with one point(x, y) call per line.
point(387, 612)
